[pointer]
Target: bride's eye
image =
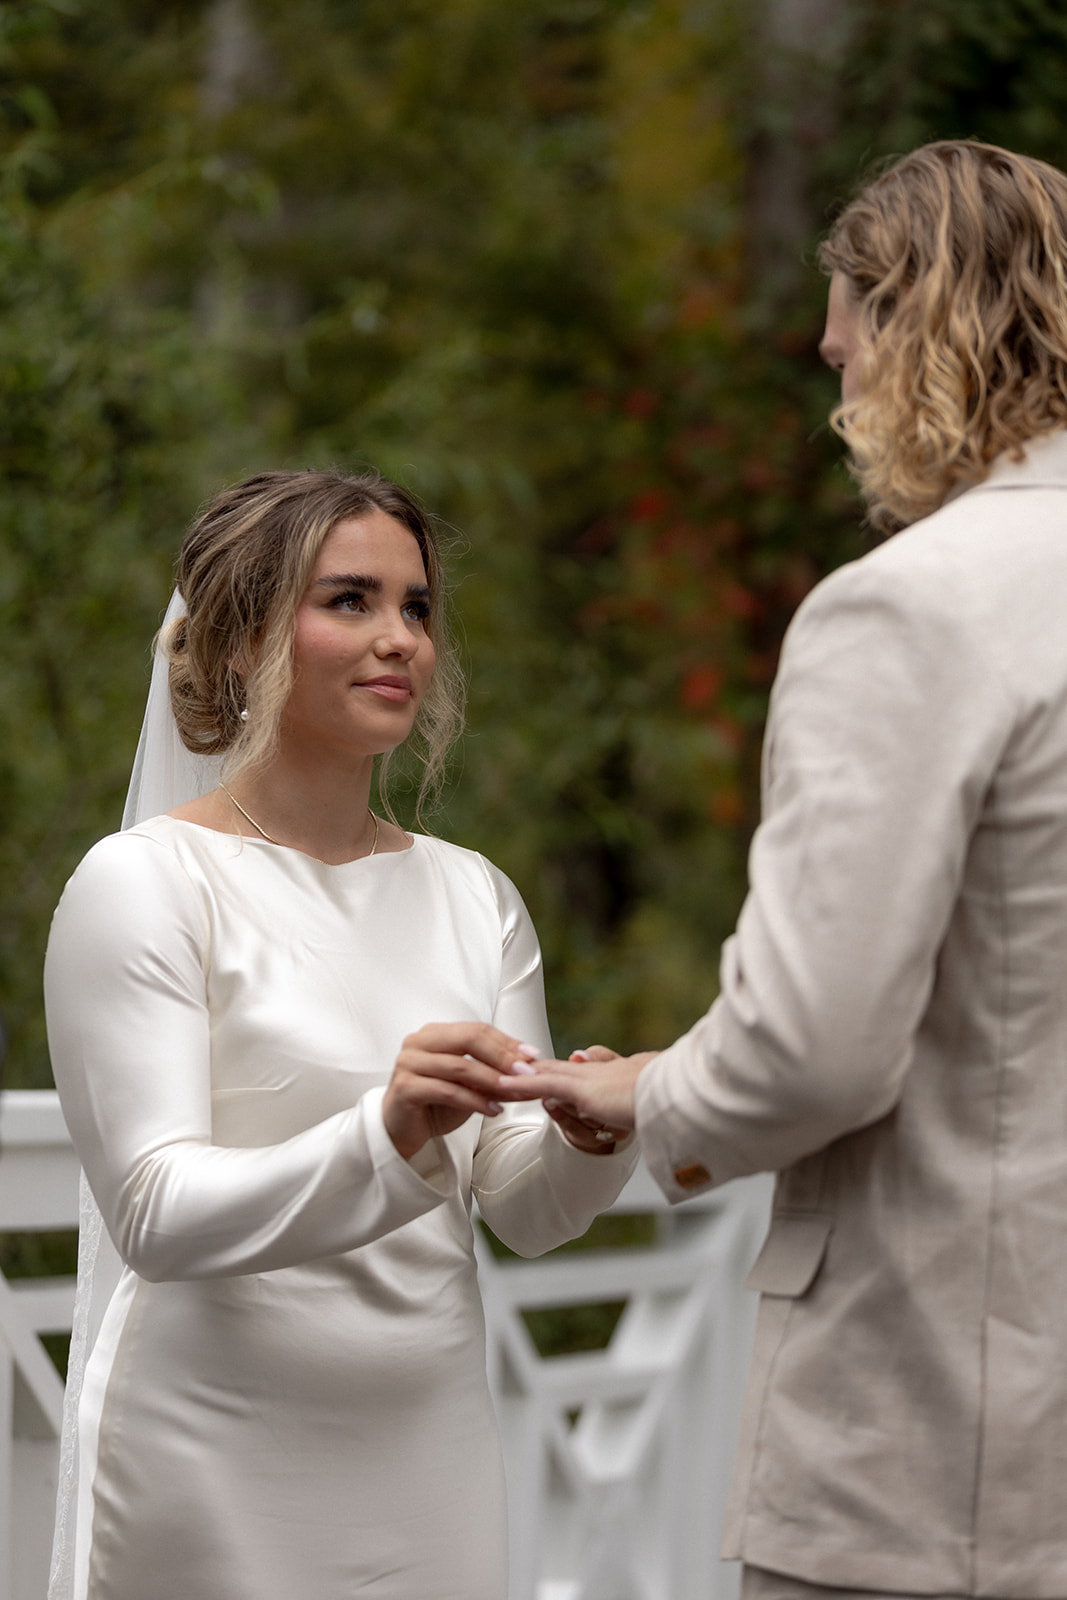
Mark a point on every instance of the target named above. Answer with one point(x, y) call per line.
point(418, 610)
point(347, 600)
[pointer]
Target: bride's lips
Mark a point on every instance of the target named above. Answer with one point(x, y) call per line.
point(388, 687)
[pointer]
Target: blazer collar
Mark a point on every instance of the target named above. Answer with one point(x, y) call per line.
point(1044, 466)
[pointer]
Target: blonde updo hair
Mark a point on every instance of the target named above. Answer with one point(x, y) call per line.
point(244, 567)
point(957, 259)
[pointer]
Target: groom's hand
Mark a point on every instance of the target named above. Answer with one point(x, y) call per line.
point(593, 1091)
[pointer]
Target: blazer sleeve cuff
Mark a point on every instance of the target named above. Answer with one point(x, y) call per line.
point(675, 1151)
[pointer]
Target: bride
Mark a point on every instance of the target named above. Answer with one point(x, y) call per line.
point(287, 1392)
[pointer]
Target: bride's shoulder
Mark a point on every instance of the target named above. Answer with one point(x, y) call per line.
point(444, 854)
point(471, 868)
point(129, 880)
point(136, 856)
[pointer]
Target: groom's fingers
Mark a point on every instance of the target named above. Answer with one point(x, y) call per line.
point(574, 1085)
point(602, 1091)
point(594, 1052)
point(549, 1078)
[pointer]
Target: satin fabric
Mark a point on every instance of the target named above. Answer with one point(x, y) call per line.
point(288, 1393)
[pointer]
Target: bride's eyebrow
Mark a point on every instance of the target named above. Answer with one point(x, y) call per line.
point(349, 580)
point(366, 584)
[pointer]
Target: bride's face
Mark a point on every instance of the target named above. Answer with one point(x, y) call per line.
point(362, 657)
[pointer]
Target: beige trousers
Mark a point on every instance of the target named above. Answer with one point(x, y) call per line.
point(758, 1584)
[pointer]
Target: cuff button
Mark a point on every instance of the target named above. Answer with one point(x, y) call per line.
point(693, 1176)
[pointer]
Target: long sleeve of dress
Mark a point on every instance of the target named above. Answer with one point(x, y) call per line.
point(130, 1038)
point(534, 1189)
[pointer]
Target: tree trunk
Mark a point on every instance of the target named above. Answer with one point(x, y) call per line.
point(802, 44)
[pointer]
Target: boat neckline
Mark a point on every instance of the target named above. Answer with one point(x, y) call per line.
point(272, 844)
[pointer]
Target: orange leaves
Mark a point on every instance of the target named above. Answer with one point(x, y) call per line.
point(641, 403)
point(727, 806)
point(648, 506)
point(759, 475)
point(737, 602)
point(700, 305)
point(701, 686)
point(712, 539)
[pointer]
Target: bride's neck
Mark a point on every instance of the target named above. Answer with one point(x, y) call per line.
point(323, 811)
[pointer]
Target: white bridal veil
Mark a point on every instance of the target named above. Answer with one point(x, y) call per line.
point(165, 775)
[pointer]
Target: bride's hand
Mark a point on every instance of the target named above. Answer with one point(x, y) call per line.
point(445, 1073)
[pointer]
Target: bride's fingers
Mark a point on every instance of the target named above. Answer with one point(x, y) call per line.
point(420, 1065)
point(419, 1106)
point(479, 1040)
point(411, 1097)
point(424, 1093)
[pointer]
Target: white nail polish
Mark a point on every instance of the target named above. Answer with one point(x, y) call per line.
point(522, 1069)
point(530, 1051)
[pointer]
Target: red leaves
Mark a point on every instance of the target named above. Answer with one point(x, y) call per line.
point(641, 403)
point(701, 686)
point(648, 506)
point(759, 475)
point(727, 806)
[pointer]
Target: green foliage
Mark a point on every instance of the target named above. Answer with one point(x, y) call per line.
point(39, 1255)
point(505, 252)
point(612, 1231)
point(953, 69)
point(564, 1330)
point(104, 422)
point(42, 1255)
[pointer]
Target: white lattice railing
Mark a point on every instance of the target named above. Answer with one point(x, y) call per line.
point(38, 1193)
point(617, 1460)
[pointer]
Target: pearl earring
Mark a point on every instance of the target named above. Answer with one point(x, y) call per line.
point(244, 714)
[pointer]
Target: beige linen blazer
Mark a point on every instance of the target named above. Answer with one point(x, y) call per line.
point(891, 1038)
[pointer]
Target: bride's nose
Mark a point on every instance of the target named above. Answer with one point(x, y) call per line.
point(397, 637)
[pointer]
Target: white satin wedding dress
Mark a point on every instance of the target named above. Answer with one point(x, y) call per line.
point(287, 1396)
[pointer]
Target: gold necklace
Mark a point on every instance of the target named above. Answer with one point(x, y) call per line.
point(260, 829)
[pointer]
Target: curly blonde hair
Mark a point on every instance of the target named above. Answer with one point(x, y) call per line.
point(242, 571)
point(957, 259)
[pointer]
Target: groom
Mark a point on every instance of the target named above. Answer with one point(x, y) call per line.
point(891, 1031)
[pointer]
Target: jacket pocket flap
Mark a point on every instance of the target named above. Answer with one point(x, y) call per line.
point(792, 1253)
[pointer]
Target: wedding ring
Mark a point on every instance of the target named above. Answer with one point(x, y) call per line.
point(606, 1134)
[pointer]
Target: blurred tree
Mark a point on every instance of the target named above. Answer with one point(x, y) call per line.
point(107, 418)
point(95, 408)
point(546, 263)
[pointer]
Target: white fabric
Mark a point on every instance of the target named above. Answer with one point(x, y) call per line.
point(288, 1391)
point(164, 775)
